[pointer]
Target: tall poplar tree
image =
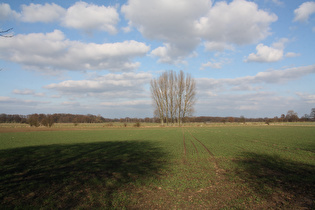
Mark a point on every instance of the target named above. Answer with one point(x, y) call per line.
point(174, 96)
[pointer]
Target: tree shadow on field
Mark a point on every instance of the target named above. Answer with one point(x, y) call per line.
point(282, 182)
point(92, 175)
point(310, 147)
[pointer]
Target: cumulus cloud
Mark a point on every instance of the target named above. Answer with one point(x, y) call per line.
point(265, 54)
point(239, 22)
point(81, 15)
point(309, 98)
point(292, 55)
point(211, 65)
point(171, 53)
point(128, 103)
point(87, 17)
point(52, 51)
point(125, 85)
point(304, 11)
point(268, 54)
point(42, 13)
point(268, 77)
point(218, 46)
point(279, 76)
point(215, 94)
point(254, 104)
point(70, 103)
point(171, 22)
point(5, 100)
point(164, 20)
point(27, 92)
point(181, 25)
point(6, 12)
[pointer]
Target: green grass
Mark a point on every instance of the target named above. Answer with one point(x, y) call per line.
point(218, 167)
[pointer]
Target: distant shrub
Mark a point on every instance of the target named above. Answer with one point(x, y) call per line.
point(125, 124)
point(137, 124)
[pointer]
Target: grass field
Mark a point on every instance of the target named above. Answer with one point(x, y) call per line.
point(193, 167)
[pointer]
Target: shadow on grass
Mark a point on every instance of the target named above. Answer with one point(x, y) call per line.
point(284, 182)
point(310, 147)
point(78, 175)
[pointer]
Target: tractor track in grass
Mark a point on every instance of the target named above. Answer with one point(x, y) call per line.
point(212, 159)
point(185, 151)
point(194, 146)
point(206, 148)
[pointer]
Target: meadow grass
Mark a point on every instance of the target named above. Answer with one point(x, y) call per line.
point(116, 167)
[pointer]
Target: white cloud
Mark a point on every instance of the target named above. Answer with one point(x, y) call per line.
point(70, 103)
point(170, 53)
point(52, 51)
point(165, 20)
point(81, 15)
point(171, 22)
point(87, 17)
point(265, 54)
point(309, 98)
point(211, 65)
point(181, 25)
point(218, 46)
point(19, 102)
point(125, 85)
point(23, 92)
point(304, 11)
point(42, 13)
point(6, 13)
point(268, 54)
point(254, 104)
point(128, 103)
point(292, 55)
point(27, 92)
point(240, 22)
point(268, 77)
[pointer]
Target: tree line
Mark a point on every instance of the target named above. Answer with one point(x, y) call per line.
point(49, 119)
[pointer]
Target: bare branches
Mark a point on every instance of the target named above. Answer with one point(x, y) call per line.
point(173, 96)
point(5, 33)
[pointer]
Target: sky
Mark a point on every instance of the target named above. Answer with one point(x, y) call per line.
point(249, 58)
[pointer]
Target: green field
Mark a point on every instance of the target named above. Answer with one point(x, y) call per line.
point(209, 167)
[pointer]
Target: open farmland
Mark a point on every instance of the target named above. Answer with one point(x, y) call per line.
point(211, 167)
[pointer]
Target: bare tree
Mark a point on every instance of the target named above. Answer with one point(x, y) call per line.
point(157, 97)
point(5, 33)
point(180, 94)
point(173, 95)
point(292, 116)
point(312, 115)
point(189, 97)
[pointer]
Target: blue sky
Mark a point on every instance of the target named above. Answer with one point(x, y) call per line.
point(250, 58)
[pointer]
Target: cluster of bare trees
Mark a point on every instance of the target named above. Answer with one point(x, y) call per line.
point(174, 95)
point(49, 119)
